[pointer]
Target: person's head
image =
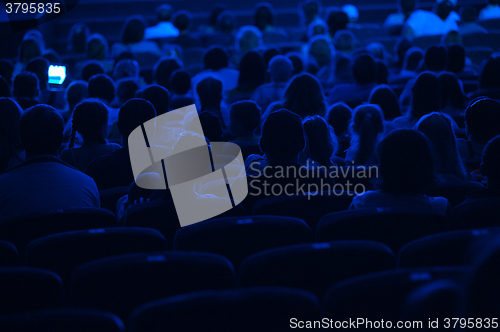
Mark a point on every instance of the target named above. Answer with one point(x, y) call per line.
point(444, 8)
point(406, 163)
point(4, 88)
point(41, 130)
point(91, 68)
point(351, 11)
point(183, 20)
point(383, 96)
point(406, 6)
point(490, 165)
point(366, 127)
point(96, 47)
point(426, 95)
point(126, 89)
point(263, 15)
point(468, 14)
point(252, 71)
point(456, 58)
point(6, 70)
point(126, 68)
point(489, 73)
point(280, 68)
point(226, 22)
point(336, 19)
point(102, 87)
point(75, 93)
point(310, 10)
point(157, 95)
point(377, 49)
point(26, 85)
point(317, 27)
point(132, 114)
point(268, 54)
point(214, 14)
point(412, 59)
point(304, 96)
point(282, 137)
point(247, 38)
point(10, 143)
point(29, 49)
point(36, 35)
point(435, 58)
point(437, 128)
point(90, 120)
point(209, 92)
point(163, 69)
point(321, 50)
point(344, 41)
point(452, 93)
point(40, 67)
point(212, 127)
point(321, 140)
point(215, 58)
point(163, 13)
point(180, 81)
point(245, 118)
point(298, 64)
point(482, 119)
point(494, 2)
point(339, 116)
point(77, 37)
point(364, 69)
point(133, 29)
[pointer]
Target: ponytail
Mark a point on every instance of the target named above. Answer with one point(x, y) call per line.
point(73, 136)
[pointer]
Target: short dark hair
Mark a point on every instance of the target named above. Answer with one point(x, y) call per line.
point(182, 20)
point(91, 68)
point(101, 86)
point(339, 116)
point(126, 88)
point(364, 69)
point(209, 91)
point(456, 58)
point(435, 58)
point(156, 95)
point(282, 135)
point(180, 81)
point(133, 29)
point(41, 129)
point(90, 119)
point(164, 13)
point(426, 95)
point(26, 85)
point(132, 114)
point(245, 117)
point(482, 119)
point(263, 15)
point(215, 58)
point(212, 127)
point(40, 66)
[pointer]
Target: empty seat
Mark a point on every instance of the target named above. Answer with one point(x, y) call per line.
point(262, 309)
point(481, 213)
point(444, 249)
point(381, 295)
point(8, 254)
point(64, 252)
point(119, 284)
point(62, 320)
point(309, 207)
point(490, 39)
point(491, 24)
point(238, 238)
point(24, 288)
point(24, 228)
point(315, 267)
point(392, 226)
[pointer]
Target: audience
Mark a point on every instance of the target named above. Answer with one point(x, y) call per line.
point(216, 61)
point(183, 21)
point(164, 28)
point(163, 69)
point(132, 38)
point(321, 143)
point(438, 22)
point(209, 92)
point(26, 90)
point(280, 71)
point(491, 11)
point(182, 96)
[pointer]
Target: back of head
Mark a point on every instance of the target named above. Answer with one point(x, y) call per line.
point(339, 116)
point(336, 19)
point(214, 14)
point(490, 166)
point(156, 95)
point(247, 38)
point(163, 69)
point(282, 135)
point(134, 113)
point(164, 13)
point(367, 125)
point(344, 41)
point(321, 50)
point(268, 54)
point(310, 10)
point(304, 96)
point(435, 58)
point(317, 27)
point(6, 69)
point(212, 127)
point(101, 86)
point(444, 8)
point(40, 67)
point(298, 64)
point(280, 68)
point(126, 89)
point(426, 95)
point(412, 58)
point(263, 15)
point(26, 85)
point(482, 119)
point(488, 76)
point(407, 6)
point(456, 58)
point(383, 96)
point(437, 128)
point(406, 162)
point(468, 14)
point(78, 37)
point(133, 29)
point(90, 119)
point(452, 92)
point(41, 130)
point(126, 68)
point(180, 81)
point(245, 118)
point(91, 68)
point(183, 20)
point(97, 47)
point(322, 142)
point(75, 93)
point(252, 71)
point(364, 69)
point(215, 58)
point(209, 91)
point(29, 49)
point(226, 22)
point(377, 49)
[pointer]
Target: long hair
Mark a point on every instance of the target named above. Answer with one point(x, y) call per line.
point(367, 125)
point(304, 96)
point(10, 142)
point(322, 141)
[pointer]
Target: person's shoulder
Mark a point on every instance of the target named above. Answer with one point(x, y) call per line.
point(102, 161)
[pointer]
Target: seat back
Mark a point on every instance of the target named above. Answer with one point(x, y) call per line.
point(490, 39)
point(424, 41)
point(121, 283)
point(315, 267)
point(490, 24)
point(64, 252)
point(392, 226)
point(24, 288)
point(238, 238)
point(241, 310)
point(8, 254)
point(481, 213)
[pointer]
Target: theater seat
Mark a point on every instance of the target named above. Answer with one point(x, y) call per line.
point(481, 213)
point(8, 254)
